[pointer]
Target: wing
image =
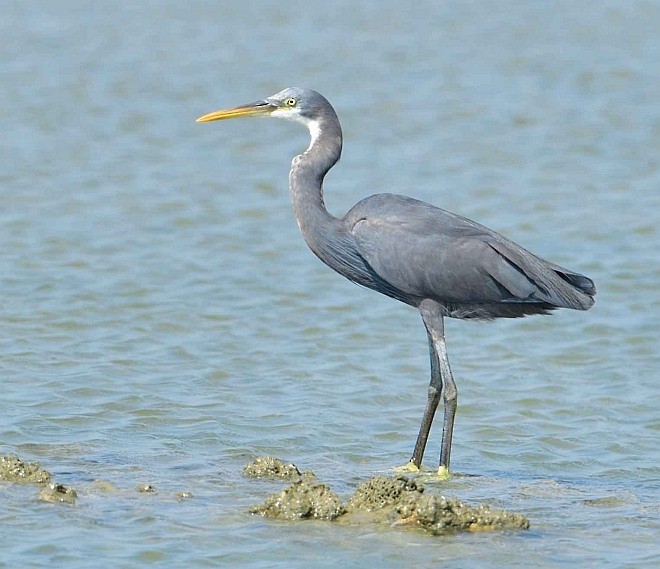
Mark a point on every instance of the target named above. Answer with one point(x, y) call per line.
point(428, 252)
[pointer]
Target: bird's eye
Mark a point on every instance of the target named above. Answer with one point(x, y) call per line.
point(290, 102)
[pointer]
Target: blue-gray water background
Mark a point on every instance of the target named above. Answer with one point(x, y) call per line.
point(162, 320)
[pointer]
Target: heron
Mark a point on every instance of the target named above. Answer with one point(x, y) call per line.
point(443, 264)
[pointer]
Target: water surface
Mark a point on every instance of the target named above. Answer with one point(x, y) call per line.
point(163, 321)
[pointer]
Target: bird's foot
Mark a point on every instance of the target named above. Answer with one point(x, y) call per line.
point(409, 468)
point(425, 473)
point(443, 472)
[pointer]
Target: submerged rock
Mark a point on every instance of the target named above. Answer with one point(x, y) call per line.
point(60, 493)
point(14, 469)
point(305, 498)
point(271, 467)
point(102, 487)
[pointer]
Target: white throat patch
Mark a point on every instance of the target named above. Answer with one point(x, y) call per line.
point(314, 131)
point(313, 126)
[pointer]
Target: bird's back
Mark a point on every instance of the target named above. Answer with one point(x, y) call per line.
point(419, 251)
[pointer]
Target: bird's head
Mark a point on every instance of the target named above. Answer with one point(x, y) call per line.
point(300, 105)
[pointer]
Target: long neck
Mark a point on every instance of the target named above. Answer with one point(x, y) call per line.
point(306, 183)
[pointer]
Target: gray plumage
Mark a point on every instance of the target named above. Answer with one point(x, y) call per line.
point(441, 263)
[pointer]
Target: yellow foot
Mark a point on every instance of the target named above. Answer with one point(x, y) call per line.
point(443, 473)
point(410, 468)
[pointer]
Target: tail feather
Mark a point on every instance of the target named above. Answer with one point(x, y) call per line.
point(555, 285)
point(585, 284)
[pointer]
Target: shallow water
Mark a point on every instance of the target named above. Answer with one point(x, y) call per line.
point(164, 323)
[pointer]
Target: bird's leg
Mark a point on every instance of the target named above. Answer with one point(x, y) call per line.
point(450, 396)
point(440, 374)
point(435, 388)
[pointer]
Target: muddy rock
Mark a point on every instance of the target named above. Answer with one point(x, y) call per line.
point(398, 501)
point(402, 501)
point(271, 467)
point(59, 493)
point(14, 469)
point(304, 499)
point(439, 515)
point(380, 492)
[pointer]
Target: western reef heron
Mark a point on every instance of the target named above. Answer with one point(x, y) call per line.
point(443, 264)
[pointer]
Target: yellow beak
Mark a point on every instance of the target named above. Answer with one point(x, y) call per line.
point(258, 108)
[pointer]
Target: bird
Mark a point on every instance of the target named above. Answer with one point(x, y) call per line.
point(443, 264)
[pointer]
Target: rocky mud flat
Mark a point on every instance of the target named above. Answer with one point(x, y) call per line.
point(389, 502)
point(398, 501)
point(14, 469)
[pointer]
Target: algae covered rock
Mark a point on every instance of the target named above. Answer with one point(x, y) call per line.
point(304, 499)
point(14, 469)
point(271, 467)
point(380, 491)
point(405, 503)
point(439, 515)
point(59, 493)
point(398, 501)
point(402, 501)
